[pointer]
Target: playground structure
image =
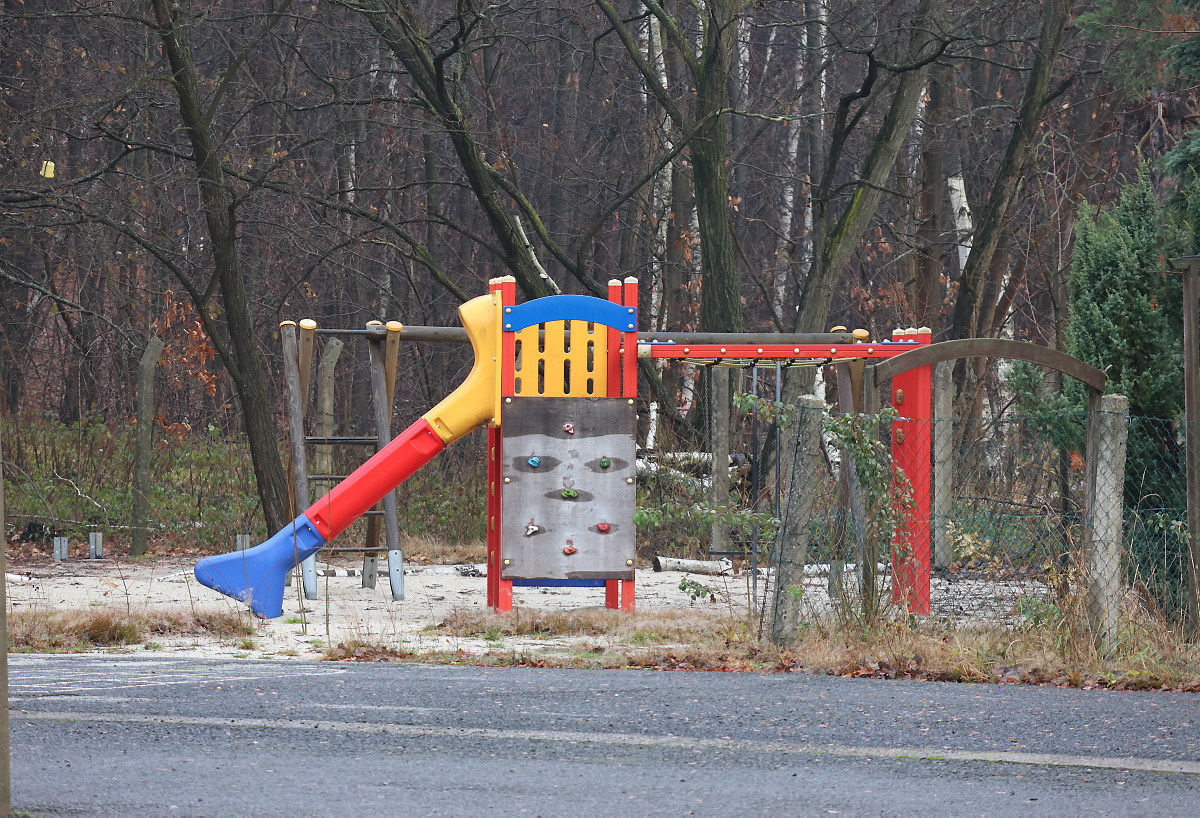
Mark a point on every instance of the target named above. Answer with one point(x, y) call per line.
point(555, 380)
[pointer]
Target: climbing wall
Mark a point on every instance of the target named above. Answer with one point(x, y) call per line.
point(568, 497)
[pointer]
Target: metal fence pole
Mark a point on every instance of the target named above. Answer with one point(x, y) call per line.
point(1108, 431)
point(802, 490)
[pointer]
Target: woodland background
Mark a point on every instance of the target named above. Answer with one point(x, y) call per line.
point(758, 166)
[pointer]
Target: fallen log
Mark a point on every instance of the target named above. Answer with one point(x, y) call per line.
point(710, 567)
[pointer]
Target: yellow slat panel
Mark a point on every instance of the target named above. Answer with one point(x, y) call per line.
point(540, 364)
point(553, 355)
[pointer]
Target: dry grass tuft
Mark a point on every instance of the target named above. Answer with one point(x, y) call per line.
point(425, 549)
point(359, 651)
point(640, 628)
point(37, 630)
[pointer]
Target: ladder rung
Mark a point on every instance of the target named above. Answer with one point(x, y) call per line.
point(345, 440)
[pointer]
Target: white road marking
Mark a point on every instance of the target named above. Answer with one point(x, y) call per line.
point(632, 740)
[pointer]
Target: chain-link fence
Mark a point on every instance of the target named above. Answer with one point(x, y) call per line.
point(1009, 520)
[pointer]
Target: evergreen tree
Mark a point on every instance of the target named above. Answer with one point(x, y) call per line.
point(1125, 309)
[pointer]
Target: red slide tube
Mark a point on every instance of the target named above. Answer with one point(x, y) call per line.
point(390, 466)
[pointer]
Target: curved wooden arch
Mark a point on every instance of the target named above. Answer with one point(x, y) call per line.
point(991, 348)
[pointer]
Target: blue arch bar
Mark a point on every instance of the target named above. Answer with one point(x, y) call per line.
point(570, 308)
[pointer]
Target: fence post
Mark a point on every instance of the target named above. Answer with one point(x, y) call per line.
point(1108, 431)
point(1191, 408)
point(5, 778)
point(794, 520)
point(143, 443)
point(719, 493)
point(943, 462)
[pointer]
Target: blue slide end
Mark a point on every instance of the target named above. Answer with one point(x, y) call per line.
point(257, 575)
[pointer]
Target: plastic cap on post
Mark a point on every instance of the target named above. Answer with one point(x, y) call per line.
point(614, 282)
point(308, 323)
point(861, 335)
point(283, 324)
point(394, 326)
point(631, 280)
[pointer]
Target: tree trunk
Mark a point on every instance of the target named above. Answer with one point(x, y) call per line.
point(996, 214)
point(241, 355)
point(413, 51)
point(838, 242)
point(720, 300)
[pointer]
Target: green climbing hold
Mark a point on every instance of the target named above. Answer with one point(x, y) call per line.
point(605, 463)
point(569, 494)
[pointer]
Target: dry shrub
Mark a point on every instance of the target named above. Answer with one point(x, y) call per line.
point(1057, 649)
point(38, 629)
point(359, 651)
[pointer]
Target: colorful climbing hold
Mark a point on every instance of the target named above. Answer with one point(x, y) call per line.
point(569, 494)
point(534, 462)
point(602, 527)
point(605, 462)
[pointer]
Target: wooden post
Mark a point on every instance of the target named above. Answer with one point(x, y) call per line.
point(307, 340)
point(381, 401)
point(143, 444)
point(5, 756)
point(1108, 430)
point(323, 455)
point(793, 533)
point(943, 462)
point(849, 494)
point(299, 460)
point(719, 489)
point(370, 566)
point(1191, 401)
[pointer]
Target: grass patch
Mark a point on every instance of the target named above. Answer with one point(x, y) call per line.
point(658, 627)
point(1144, 655)
point(42, 631)
point(356, 650)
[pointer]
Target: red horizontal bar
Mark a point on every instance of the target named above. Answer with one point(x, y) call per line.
point(883, 349)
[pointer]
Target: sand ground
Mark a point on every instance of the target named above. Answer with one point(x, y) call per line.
point(344, 610)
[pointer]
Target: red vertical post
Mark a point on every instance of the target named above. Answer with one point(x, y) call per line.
point(627, 594)
point(629, 388)
point(493, 517)
point(629, 340)
point(616, 295)
point(500, 589)
point(912, 394)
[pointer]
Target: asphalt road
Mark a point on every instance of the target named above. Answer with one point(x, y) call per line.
point(129, 735)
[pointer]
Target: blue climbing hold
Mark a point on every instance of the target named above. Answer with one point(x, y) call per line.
point(534, 462)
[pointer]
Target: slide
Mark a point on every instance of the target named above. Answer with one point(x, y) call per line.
point(257, 575)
